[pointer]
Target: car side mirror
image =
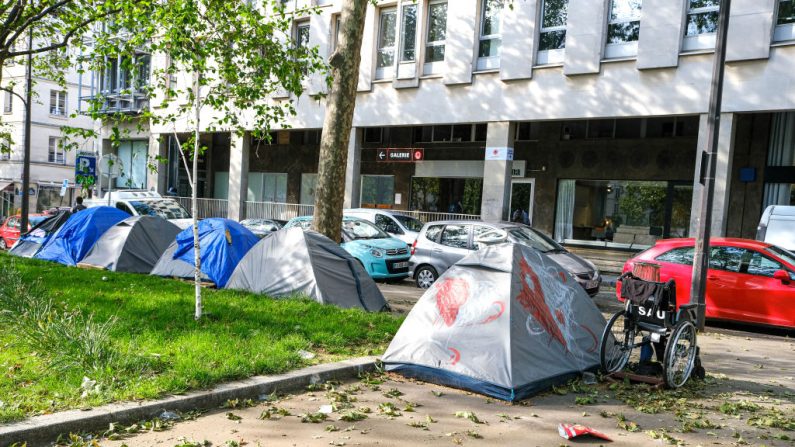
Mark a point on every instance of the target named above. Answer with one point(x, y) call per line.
point(782, 276)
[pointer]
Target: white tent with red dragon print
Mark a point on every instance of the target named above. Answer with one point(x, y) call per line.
point(505, 321)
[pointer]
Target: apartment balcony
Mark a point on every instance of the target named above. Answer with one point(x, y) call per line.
point(127, 102)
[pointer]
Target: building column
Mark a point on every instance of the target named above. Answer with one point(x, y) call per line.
point(238, 175)
point(158, 148)
point(497, 171)
point(353, 170)
point(723, 175)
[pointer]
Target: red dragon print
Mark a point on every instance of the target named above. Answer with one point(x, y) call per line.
point(531, 297)
point(451, 294)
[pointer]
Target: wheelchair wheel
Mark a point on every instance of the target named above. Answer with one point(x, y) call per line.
point(617, 341)
point(680, 354)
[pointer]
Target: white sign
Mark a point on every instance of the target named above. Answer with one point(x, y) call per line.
point(64, 186)
point(398, 198)
point(518, 168)
point(499, 153)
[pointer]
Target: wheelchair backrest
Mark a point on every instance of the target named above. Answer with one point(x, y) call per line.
point(648, 301)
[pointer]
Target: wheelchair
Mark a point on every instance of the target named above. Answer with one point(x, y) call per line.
point(650, 317)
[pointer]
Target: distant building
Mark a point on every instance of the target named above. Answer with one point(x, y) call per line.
point(50, 164)
point(588, 115)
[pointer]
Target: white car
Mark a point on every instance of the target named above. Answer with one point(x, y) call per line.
point(145, 203)
point(777, 226)
point(405, 228)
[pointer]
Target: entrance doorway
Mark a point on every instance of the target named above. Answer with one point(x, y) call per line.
point(521, 206)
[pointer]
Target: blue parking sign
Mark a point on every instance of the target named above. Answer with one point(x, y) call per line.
point(86, 166)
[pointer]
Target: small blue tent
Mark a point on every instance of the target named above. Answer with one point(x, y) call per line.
point(223, 243)
point(76, 237)
point(29, 244)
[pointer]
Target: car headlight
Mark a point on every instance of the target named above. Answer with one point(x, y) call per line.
point(596, 273)
point(376, 252)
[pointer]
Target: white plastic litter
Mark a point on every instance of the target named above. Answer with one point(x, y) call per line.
point(306, 355)
point(169, 416)
point(326, 409)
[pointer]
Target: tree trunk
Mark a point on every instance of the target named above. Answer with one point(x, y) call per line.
point(340, 103)
point(195, 204)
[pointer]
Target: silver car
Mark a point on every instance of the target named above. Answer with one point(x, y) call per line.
point(441, 244)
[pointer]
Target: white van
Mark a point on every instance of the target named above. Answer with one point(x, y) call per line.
point(145, 203)
point(777, 226)
point(405, 228)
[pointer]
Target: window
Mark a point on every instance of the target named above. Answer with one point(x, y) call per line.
point(57, 103)
point(5, 147)
point(762, 265)
point(623, 28)
point(527, 132)
point(681, 255)
point(308, 182)
point(455, 236)
point(336, 24)
point(490, 37)
point(378, 191)
point(433, 232)
point(8, 104)
point(726, 258)
point(387, 224)
point(385, 64)
point(302, 34)
point(457, 133)
point(622, 213)
point(274, 187)
point(785, 23)
point(133, 156)
point(552, 36)
point(701, 24)
point(373, 134)
point(483, 236)
point(437, 33)
point(408, 36)
point(56, 151)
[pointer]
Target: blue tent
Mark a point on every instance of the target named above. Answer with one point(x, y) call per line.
point(223, 243)
point(76, 237)
point(29, 244)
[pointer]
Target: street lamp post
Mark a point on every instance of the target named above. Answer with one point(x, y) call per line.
point(26, 157)
point(710, 155)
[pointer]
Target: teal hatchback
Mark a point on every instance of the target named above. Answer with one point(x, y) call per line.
point(383, 256)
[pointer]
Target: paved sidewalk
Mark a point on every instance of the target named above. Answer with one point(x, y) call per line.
point(753, 379)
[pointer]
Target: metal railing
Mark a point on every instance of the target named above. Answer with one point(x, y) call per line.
point(206, 207)
point(431, 216)
point(286, 211)
point(276, 210)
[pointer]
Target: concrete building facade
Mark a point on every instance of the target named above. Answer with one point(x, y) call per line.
point(50, 162)
point(586, 118)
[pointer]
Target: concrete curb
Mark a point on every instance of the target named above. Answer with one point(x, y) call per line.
point(42, 430)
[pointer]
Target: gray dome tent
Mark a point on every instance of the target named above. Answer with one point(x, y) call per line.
point(174, 268)
point(133, 245)
point(505, 321)
point(295, 261)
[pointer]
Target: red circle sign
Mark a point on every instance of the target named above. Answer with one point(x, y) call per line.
point(418, 155)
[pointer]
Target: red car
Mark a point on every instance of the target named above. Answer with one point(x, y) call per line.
point(9, 231)
point(747, 281)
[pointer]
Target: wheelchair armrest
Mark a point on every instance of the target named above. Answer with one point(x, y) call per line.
point(687, 309)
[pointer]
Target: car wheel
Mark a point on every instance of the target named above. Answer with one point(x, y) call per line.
point(426, 276)
point(3, 245)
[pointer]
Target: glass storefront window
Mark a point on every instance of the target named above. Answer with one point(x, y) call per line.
point(446, 195)
point(133, 156)
point(621, 212)
point(378, 191)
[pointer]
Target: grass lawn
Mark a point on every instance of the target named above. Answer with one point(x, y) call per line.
point(242, 335)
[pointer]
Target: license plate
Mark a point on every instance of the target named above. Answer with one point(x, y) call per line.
point(401, 265)
point(591, 284)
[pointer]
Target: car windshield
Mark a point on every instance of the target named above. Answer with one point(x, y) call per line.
point(35, 220)
point(783, 254)
point(410, 223)
point(532, 238)
point(360, 229)
point(165, 208)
